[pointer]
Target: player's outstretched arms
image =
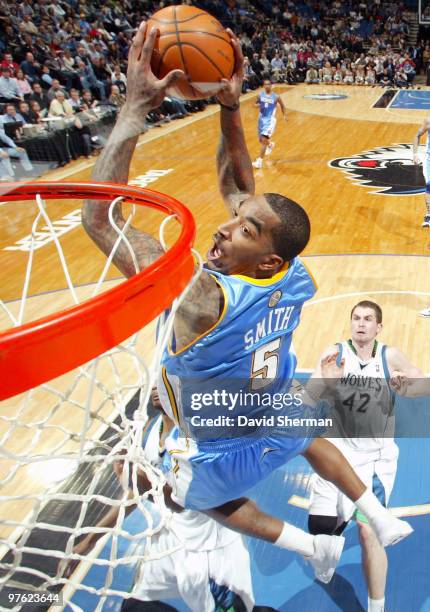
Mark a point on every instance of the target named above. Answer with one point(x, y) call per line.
point(403, 385)
point(326, 372)
point(144, 93)
point(235, 175)
point(405, 378)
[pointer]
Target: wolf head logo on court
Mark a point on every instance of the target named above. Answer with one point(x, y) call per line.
point(384, 170)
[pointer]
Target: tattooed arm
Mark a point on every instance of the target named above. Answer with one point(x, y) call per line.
point(144, 92)
point(235, 175)
point(201, 308)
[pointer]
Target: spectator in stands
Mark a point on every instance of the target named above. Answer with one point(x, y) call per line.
point(30, 67)
point(265, 62)
point(338, 75)
point(36, 113)
point(23, 84)
point(75, 100)
point(386, 80)
point(173, 108)
point(370, 78)
point(101, 72)
point(278, 68)
point(28, 26)
point(116, 98)
point(88, 99)
point(24, 112)
point(46, 79)
point(39, 96)
point(359, 75)
point(52, 91)
point(8, 62)
point(291, 73)
point(312, 75)
point(401, 78)
point(60, 107)
point(326, 73)
point(8, 150)
point(82, 121)
point(9, 91)
point(68, 59)
point(250, 80)
point(258, 68)
point(10, 115)
point(68, 78)
point(408, 67)
point(118, 78)
point(379, 68)
point(348, 79)
point(88, 78)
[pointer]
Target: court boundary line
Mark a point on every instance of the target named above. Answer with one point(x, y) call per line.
point(361, 293)
point(392, 99)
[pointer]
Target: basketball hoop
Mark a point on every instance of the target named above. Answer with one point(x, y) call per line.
point(101, 355)
point(39, 351)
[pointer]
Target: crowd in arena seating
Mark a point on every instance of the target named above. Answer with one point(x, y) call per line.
point(62, 58)
point(329, 42)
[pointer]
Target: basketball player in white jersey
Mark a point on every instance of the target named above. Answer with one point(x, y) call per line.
point(426, 171)
point(210, 566)
point(365, 372)
point(267, 103)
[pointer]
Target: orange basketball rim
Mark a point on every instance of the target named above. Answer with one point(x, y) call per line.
point(41, 350)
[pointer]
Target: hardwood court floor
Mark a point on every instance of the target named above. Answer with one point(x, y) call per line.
point(347, 219)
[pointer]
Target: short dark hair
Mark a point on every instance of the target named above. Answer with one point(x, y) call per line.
point(292, 234)
point(368, 304)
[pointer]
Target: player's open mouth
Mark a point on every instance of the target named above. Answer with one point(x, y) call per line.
point(214, 253)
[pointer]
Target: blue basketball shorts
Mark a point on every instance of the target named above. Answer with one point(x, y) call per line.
point(266, 126)
point(207, 475)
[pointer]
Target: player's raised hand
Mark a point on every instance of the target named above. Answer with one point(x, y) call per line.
point(332, 368)
point(144, 91)
point(232, 88)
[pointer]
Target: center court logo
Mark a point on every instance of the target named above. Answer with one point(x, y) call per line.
point(325, 96)
point(384, 170)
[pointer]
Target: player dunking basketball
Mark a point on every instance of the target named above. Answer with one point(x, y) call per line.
point(267, 102)
point(252, 269)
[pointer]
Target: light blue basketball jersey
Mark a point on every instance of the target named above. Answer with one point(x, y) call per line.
point(248, 350)
point(267, 104)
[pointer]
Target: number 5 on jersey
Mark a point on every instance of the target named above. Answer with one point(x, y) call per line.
point(265, 362)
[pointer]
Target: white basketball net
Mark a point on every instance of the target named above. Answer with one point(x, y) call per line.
point(58, 445)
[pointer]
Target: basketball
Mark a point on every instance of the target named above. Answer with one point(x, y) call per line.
point(192, 40)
